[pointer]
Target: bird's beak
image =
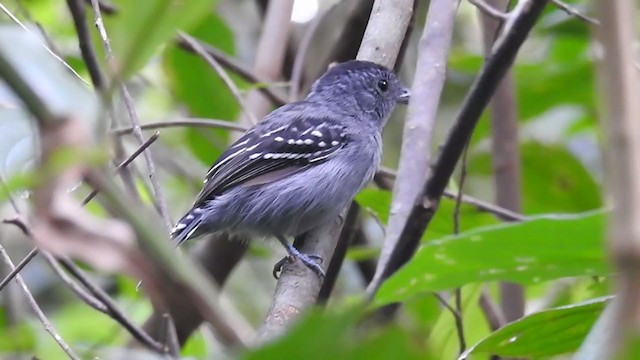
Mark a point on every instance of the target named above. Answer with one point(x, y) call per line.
point(404, 96)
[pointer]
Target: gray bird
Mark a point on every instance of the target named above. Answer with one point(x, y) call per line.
point(302, 164)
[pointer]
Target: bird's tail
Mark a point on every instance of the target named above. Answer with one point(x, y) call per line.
point(188, 227)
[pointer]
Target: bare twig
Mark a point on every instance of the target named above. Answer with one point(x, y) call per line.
point(421, 116)
point(456, 230)
point(505, 155)
point(490, 10)
point(32, 254)
point(270, 53)
point(301, 56)
point(48, 326)
point(457, 315)
point(58, 58)
point(80, 292)
point(113, 310)
point(135, 122)
point(213, 63)
point(233, 65)
point(77, 9)
point(491, 311)
point(619, 116)
point(189, 122)
point(574, 12)
point(490, 76)
point(125, 163)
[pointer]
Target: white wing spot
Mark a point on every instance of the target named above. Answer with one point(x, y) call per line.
point(278, 139)
point(291, 141)
point(268, 155)
point(308, 141)
point(299, 142)
point(180, 226)
point(189, 217)
point(316, 133)
point(334, 143)
point(254, 156)
point(251, 147)
point(322, 144)
point(240, 144)
point(277, 155)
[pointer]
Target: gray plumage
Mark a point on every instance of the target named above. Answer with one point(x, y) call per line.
point(303, 163)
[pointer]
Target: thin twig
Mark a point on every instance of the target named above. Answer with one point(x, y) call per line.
point(48, 326)
point(301, 56)
point(385, 174)
point(20, 266)
point(456, 230)
point(213, 63)
point(78, 13)
point(489, 10)
point(125, 163)
point(457, 315)
point(574, 12)
point(112, 308)
point(135, 122)
point(491, 311)
point(233, 65)
point(190, 122)
point(80, 292)
point(58, 58)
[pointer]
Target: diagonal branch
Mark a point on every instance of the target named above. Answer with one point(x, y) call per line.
point(135, 122)
point(491, 74)
point(415, 153)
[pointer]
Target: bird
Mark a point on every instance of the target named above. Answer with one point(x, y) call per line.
point(302, 164)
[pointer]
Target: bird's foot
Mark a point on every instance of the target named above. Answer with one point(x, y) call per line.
point(309, 260)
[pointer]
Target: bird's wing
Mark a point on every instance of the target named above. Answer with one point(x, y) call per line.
point(267, 154)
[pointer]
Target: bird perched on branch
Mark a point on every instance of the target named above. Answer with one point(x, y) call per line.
point(302, 164)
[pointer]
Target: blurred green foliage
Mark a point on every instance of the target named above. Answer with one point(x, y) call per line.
point(556, 106)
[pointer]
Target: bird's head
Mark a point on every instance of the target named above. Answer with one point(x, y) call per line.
point(363, 89)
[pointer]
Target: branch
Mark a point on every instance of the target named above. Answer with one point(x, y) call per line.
point(505, 150)
point(77, 9)
point(233, 65)
point(620, 111)
point(36, 309)
point(385, 31)
point(188, 122)
point(385, 178)
point(200, 51)
point(574, 12)
point(415, 153)
point(135, 122)
point(474, 104)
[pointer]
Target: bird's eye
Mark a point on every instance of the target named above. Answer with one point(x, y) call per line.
point(383, 85)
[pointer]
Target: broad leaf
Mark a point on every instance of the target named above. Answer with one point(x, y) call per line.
point(530, 252)
point(545, 333)
point(140, 27)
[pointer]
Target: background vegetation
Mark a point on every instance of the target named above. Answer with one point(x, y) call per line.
point(548, 235)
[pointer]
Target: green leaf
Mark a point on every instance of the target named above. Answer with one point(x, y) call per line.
point(545, 333)
point(335, 336)
point(198, 87)
point(553, 180)
point(543, 248)
point(140, 27)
